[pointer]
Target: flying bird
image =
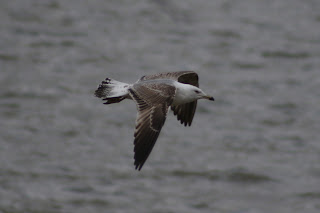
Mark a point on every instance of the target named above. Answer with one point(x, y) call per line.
point(153, 95)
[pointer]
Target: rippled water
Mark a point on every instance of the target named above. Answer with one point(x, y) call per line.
point(255, 149)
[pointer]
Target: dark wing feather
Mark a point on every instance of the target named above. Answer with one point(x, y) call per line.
point(186, 77)
point(184, 112)
point(152, 104)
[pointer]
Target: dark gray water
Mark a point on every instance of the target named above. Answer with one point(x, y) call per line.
point(255, 149)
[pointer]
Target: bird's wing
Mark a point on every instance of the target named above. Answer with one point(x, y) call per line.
point(152, 104)
point(186, 77)
point(184, 112)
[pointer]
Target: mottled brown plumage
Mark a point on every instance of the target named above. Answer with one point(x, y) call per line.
point(154, 94)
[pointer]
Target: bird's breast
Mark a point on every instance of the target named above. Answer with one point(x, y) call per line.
point(181, 98)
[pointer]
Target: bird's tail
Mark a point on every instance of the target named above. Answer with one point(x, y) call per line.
point(112, 91)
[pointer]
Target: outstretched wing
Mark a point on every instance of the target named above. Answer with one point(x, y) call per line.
point(186, 77)
point(152, 103)
point(184, 112)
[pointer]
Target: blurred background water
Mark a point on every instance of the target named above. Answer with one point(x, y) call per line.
point(255, 149)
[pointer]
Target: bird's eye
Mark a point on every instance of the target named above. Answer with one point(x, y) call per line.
point(196, 91)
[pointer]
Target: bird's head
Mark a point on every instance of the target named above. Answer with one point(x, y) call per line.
point(199, 94)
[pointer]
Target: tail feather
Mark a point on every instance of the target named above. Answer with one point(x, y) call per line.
point(112, 91)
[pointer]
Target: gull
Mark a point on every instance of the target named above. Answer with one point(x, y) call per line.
point(154, 95)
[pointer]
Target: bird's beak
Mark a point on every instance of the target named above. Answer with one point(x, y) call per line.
point(209, 97)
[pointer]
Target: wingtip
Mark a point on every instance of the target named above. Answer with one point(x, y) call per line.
point(138, 166)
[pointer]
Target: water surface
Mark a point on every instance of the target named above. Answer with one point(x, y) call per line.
point(255, 149)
